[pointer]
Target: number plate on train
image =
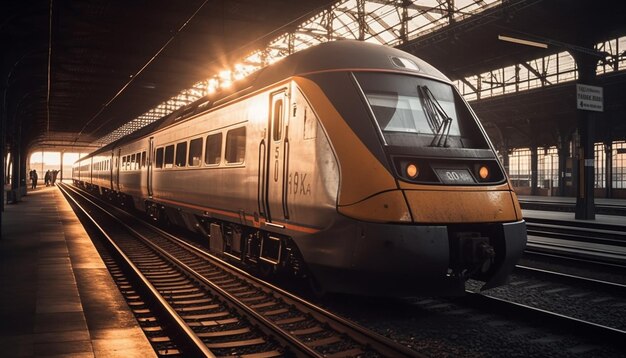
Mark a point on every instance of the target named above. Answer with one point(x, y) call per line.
point(455, 176)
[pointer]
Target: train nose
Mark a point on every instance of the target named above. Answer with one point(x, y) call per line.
point(466, 206)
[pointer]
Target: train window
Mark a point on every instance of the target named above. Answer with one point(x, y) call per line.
point(132, 162)
point(414, 111)
point(159, 158)
point(168, 161)
point(213, 152)
point(195, 152)
point(124, 163)
point(278, 120)
point(143, 159)
point(304, 114)
point(138, 161)
point(236, 145)
point(181, 154)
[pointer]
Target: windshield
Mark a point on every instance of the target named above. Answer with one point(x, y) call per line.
point(418, 111)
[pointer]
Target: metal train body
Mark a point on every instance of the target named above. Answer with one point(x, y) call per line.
point(309, 167)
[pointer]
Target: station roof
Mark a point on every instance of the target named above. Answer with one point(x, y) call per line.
point(98, 48)
point(95, 48)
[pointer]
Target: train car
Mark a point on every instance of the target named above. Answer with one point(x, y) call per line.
point(357, 165)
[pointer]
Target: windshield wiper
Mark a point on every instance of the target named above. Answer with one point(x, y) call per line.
point(437, 118)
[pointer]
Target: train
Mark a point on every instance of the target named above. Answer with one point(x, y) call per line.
point(355, 165)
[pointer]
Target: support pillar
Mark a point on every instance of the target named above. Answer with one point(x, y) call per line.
point(585, 205)
point(608, 168)
point(534, 171)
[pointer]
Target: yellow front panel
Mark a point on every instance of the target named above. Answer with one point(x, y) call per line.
point(385, 207)
point(461, 206)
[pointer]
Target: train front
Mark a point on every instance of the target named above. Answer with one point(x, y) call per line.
point(432, 203)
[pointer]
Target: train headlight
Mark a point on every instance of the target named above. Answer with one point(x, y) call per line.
point(483, 172)
point(412, 171)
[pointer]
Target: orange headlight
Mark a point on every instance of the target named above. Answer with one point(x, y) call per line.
point(483, 172)
point(412, 171)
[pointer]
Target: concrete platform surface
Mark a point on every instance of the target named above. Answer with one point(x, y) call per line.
point(56, 295)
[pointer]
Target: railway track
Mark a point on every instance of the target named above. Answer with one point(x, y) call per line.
point(545, 318)
point(226, 310)
point(569, 295)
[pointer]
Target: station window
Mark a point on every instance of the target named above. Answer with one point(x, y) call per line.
point(547, 167)
point(168, 161)
point(519, 167)
point(213, 152)
point(619, 164)
point(159, 158)
point(599, 170)
point(181, 154)
point(304, 114)
point(195, 152)
point(236, 145)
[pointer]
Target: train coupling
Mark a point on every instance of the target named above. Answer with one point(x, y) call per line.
point(471, 254)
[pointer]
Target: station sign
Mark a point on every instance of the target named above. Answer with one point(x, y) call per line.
point(589, 98)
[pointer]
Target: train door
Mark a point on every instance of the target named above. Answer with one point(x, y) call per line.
point(111, 160)
point(117, 170)
point(277, 157)
point(149, 164)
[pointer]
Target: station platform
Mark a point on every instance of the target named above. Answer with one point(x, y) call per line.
point(566, 216)
point(609, 219)
point(570, 200)
point(56, 295)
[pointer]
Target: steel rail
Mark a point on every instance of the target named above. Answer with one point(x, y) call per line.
point(361, 335)
point(199, 348)
point(287, 340)
point(586, 280)
point(261, 322)
point(538, 252)
point(574, 325)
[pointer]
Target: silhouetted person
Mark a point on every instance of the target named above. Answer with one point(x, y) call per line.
point(54, 176)
point(33, 179)
point(46, 178)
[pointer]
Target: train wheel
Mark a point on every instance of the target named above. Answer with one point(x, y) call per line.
point(266, 270)
point(316, 287)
